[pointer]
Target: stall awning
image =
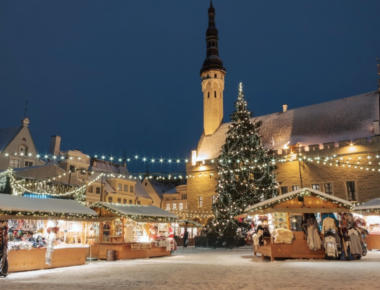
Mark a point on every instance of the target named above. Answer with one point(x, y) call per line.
point(305, 200)
point(136, 212)
point(36, 208)
point(189, 223)
point(369, 207)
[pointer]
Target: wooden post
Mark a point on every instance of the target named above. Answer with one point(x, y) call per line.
point(289, 222)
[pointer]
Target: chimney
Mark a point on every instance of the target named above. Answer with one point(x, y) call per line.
point(55, 144)
point(284, 108)
point(376, 128)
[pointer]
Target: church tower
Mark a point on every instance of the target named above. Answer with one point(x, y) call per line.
point(212, 74)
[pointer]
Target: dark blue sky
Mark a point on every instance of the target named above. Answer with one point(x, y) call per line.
point(115, 75)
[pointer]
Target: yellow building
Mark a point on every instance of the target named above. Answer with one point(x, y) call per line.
point(333, 147)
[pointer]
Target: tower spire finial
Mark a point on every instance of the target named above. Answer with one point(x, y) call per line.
point(211, 4)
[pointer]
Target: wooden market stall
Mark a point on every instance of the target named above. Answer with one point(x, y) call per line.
point(133, 231)
point(370, 211)
point(287, 207)
point(36, 226)
point(193, 228)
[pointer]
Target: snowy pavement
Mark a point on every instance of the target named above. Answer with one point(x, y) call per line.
point(202, 269)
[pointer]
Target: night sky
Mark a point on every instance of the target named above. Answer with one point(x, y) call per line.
point(110, 76)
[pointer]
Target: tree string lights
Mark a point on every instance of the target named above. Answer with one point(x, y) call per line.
point(247, 180)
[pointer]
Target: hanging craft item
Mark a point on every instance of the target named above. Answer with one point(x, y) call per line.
point(3, 248)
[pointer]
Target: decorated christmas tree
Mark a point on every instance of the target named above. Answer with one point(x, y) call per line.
point(245, 171)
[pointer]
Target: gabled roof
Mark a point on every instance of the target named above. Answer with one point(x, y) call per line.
point(339, 120)
point(163, 186)
point(7, 135)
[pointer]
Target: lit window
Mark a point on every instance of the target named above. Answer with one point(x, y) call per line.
point(126, 188)
point(110, 199)
point(14, 163)
point(180, 206)
point(328, 188)
point(90, 189)
point(174, 206)
point(295, 187)
point(97, 190)
point(28, 163)
point(131, 188)
point(184, 196)
point(168, 206)
point(119, 187)
point(119, 200)
point(315, 186)
point(200, 201)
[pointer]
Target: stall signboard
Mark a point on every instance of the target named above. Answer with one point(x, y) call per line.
point(139, 247)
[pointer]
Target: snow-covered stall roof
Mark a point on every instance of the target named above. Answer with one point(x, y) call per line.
point(266, 206)
point(49, 208)
point(369, 207)
point(339, 120)
point(137, 212)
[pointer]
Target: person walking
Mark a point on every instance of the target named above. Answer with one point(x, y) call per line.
point(185, 238)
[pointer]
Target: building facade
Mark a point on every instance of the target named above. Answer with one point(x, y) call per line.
point(333, 147)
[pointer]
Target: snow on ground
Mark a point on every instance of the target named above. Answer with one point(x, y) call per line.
point(202, 269)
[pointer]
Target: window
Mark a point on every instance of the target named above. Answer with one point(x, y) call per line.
point(124, 201)
point(180, 206)
point(295, 187)
point(125, 187)
point(351, 190)
point(83, 171)
point(200, 201)
point(130, 201)
point(184, 196)
point(208, 95)
point(146, 183)
point(138, 202)
point(131, 188)
point(110, 199)
point(22, 148)
point(72, 168)
point(174, 206)
point(215, 95)
point(168, 206)
point(214, 198)
point(315, 186)
point(328, 188)
point(119, 187)
point(28, 163)
point(14, 163)
point(284, 189)
point(119, 200)
point(97, 190)
point(216, 76)
point(90, 189)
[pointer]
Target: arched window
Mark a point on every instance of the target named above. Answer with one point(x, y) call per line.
point(215, 95)
point(208, 94)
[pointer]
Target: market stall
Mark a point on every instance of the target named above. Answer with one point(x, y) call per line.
point(369, 218)
point(192, 227)
point(43, 233)
point(133, 231)
point(297, 225)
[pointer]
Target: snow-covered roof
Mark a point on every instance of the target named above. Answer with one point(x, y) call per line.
point(67, 208)
point(369, 207)
point(164, 186)
point(135, 211)
point(171, 191)
point(7, 135)
point(290, 195)
point(339, 120)
point(106, 166)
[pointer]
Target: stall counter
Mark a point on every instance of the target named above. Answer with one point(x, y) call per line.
point(34, 259)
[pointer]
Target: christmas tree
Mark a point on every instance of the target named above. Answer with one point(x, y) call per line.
point(245, 170)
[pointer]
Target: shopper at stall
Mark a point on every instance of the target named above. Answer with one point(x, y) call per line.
point(185, 238)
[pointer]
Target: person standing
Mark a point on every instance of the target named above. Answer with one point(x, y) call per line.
point(185, 238)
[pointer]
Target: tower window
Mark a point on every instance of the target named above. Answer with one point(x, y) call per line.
point(215, 76)
point(208, 94)
point(215, 95)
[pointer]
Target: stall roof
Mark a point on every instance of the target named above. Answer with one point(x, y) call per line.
point(189, 222)
point(133, 211)
point(369, 207)
point(25, 206)
point(265, 205)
